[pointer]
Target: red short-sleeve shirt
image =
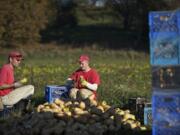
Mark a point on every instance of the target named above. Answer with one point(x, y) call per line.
point(6, 77)
point(91, 76)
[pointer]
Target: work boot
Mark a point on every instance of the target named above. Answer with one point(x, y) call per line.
point(29, 107)
point(20, 107)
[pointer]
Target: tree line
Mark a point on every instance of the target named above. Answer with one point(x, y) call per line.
point(23, 21)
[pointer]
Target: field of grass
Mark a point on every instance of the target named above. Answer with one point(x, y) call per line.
point(124, 74)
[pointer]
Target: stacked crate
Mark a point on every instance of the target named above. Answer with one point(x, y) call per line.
point(136, 106)
point(165, 60)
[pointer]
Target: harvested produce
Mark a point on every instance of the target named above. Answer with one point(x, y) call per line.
point(88, 117)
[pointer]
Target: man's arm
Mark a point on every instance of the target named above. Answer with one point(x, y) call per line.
point(14, 85)
point(6, 86)
point(90, 86)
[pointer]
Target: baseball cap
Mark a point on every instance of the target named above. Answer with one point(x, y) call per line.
point(16, 54)
point(83, 58)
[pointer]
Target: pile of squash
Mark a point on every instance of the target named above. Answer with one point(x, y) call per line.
point(90, 116)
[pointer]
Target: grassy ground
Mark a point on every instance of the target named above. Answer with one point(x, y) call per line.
point(124, 74)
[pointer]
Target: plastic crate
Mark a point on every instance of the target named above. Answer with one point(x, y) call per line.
point(148, 115)
point(166, 102)
point(164, 21)
point(136, 104)
point(53, 91)
point(165, 49)
point(166, 131)
point(166, 77)
point(166, 113)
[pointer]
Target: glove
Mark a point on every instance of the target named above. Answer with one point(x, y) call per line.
point(17, 84)
point(83, 81)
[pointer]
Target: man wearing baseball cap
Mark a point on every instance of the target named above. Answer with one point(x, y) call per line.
point(84, 80)
point(11, 91)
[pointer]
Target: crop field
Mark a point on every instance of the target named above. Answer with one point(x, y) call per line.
point(124, 74)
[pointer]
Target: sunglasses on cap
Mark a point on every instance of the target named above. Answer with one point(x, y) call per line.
point(18, 58)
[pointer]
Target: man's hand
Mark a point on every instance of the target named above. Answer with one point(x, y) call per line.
point(83, 81)
point(17, 84)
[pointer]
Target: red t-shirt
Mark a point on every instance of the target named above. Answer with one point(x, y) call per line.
point(91, 76)
point(6, 77)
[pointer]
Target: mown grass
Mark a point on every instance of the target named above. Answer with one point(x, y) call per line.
point(124, 74)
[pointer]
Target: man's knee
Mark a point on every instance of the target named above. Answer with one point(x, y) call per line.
point(85, 93)
point(73, 93)
point(30, 89)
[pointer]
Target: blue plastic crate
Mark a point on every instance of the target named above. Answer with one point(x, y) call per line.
point(53, 91)
point(167, 102)
point(166, 77)
point(166, 112)
point(165, 49)
point(166, 131)
point(164, 21)
point(166, 35)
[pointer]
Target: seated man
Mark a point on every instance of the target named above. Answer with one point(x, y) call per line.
point(12, 92)
point(84, 80)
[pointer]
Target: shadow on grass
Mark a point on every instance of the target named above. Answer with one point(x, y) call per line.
point(37, 101)
point(99, 36)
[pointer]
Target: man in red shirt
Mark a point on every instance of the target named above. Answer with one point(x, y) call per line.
point(85, 80)
point(12, 92)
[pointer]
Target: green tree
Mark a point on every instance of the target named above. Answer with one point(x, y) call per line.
point(22, 20)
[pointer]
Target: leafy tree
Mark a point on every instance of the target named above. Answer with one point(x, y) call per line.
point(22, 20)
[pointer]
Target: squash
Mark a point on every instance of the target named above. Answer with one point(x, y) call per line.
point(101, 108)
point(59, 102)
point(95, 110)
point(129, 116)
point(78, 111)
point(143, 128)
point(82, 105)
point(67, 104)
point(93, 103)
point(39, 108)
point(54, 106)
